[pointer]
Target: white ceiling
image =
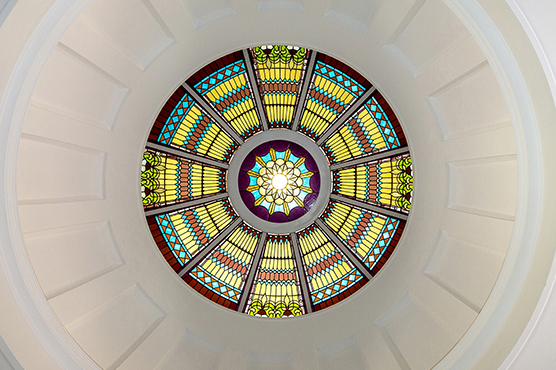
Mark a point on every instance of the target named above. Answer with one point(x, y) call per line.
point(471, 102)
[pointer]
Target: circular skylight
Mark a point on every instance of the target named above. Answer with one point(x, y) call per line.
point(276, 181)
point(279, 181)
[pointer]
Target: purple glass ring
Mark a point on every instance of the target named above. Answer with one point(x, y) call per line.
point(279, 181)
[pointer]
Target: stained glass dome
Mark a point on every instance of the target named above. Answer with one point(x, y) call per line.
point(276, 181)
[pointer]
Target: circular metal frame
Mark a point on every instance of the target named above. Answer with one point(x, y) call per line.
point(325, 178)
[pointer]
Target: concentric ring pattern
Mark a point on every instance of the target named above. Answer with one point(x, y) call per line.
point(248, 268)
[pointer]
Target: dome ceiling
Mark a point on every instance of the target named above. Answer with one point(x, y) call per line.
point(90, 259)
point(276, 181)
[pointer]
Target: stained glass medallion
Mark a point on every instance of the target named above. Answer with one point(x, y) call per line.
point(279, 181)
point(276, 181)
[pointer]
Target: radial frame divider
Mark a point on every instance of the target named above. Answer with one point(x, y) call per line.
point(255, 87)
point(309, 72)
point(210, 247)
point(330, 130)
point(363, 160)
point(183, 154)
point(213, 113)
point(302, 275)
point(350, 255)
point(252, 272)
point(186, 204)
point(369, 207)
point(369, 158)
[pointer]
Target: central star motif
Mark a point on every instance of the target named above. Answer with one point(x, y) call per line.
point(282, 181)
point(279, 181)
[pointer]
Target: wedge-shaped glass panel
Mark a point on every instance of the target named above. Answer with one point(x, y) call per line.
point(167, 179)
point(371, 236)
point(280, 69)
point(221, 275)
point(181, 235)
point(385, 183)
point(334, 88)
point(225, 84)
point(330, 275)
point(374, 128)
point(183, 124)
point(276, 291)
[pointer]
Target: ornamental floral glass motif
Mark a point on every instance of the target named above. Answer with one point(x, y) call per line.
point(192, 213)
point(167, 179)
point(276, 291)
point(279, 181)
point(280, 71)
point(386, 183)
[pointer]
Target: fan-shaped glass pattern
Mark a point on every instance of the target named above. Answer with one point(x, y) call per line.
point(247, 265)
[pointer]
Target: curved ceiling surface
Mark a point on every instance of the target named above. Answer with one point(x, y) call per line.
point(101, 276)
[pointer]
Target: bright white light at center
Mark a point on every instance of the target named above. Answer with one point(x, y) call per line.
point(279, 181)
